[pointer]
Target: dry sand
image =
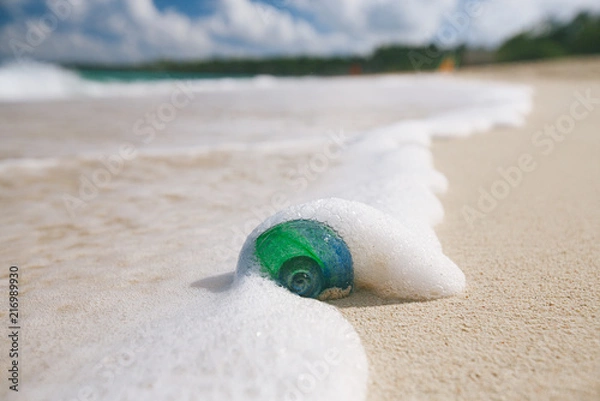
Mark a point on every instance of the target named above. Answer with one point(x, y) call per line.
point(529, 325)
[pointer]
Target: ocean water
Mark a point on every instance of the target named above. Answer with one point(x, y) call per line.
point(127, 204)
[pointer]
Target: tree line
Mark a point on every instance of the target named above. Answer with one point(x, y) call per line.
point(580, 36)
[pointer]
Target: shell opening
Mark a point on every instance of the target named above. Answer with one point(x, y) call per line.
point(306, 256)
point(302, 275)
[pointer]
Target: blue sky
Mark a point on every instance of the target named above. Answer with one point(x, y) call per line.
point(118, 31)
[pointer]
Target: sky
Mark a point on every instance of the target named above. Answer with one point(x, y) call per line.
point(129, 31)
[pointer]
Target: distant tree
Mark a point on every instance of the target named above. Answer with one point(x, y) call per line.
point(579, 36)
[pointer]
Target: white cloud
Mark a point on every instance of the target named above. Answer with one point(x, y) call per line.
point(135, 30)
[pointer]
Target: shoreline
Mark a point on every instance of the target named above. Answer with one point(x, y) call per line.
point(527, 326)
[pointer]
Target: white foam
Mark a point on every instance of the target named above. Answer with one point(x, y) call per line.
point(254, 342)
point(34, 80)
point(388, 257)
point(37, 81)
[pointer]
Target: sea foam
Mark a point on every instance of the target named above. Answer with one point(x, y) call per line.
point(35, 81)
point(255, 341)
point(387, 256)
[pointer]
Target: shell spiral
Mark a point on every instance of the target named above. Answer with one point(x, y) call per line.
point(307, 257)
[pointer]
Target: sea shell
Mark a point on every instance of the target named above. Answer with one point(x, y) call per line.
point(307, 257)
point(354, 246)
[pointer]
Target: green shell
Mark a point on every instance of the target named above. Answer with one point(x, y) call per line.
point(307, 257)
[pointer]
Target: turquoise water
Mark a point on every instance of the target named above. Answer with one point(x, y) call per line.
point(103, 75)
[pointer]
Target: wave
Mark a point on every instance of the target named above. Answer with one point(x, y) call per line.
point(35, 81)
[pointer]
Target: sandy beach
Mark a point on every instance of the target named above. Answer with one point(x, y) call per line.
point(522, 221)
point(528, 326)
